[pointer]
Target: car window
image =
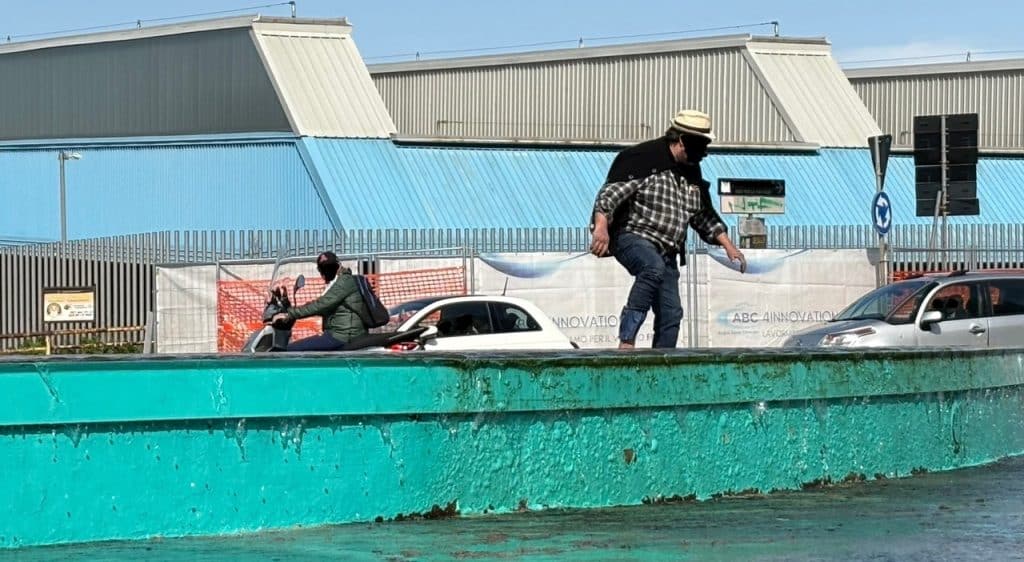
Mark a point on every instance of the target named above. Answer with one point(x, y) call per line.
point(894, 303)
point(510, 318)
point(957, 302)
point(1007, 296)
point(463, 319)
point(430, 319)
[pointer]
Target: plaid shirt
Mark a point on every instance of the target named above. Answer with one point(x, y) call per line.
point(664, 205)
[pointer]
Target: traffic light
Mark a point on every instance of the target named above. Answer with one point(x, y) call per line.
point(958, 134)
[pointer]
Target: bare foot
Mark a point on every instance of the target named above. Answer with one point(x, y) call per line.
point(626, 345)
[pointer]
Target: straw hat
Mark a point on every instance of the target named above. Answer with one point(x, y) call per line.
point(693, 122)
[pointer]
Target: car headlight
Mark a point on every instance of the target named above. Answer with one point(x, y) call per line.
point(843, 339)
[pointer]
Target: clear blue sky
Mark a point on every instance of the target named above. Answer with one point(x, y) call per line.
point(864, 30)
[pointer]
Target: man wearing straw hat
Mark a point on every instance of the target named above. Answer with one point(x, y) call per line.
point(654, 191)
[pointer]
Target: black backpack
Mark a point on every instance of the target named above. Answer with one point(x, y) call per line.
point(376, 315)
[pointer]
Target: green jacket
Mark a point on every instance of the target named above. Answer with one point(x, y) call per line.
point(340, 307)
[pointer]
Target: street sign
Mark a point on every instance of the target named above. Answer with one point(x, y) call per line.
point(881, 207)
point(880, 147)
point(881, 213)
point(752, 186)
point(751, 204)
point(747, 196)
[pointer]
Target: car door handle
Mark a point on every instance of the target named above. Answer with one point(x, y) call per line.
point(976, 329)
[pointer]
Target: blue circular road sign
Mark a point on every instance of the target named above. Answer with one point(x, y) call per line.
point(881, 213)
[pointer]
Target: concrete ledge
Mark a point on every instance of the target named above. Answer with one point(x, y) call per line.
point(136, 447)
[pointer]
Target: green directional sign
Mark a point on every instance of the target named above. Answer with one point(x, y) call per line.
point(747, 204)
point(748, 196)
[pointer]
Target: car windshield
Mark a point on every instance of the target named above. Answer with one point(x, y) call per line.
point(895, 303)
point(399, 313)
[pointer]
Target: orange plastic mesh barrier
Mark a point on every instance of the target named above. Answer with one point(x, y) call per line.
point(240, 303)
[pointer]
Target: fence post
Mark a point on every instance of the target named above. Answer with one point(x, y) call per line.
point(147, 338)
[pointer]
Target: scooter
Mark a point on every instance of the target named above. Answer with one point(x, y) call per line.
point(274, 336)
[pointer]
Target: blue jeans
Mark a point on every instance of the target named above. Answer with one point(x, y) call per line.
point(323, 342)
point(655, 287)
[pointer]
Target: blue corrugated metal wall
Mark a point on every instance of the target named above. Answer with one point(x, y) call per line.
point(376, 184)
point(129, 189)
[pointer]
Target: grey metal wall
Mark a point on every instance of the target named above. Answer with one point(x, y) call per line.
point(613, 98)
point(203, 82)
point(124, 292)
point(997, 97)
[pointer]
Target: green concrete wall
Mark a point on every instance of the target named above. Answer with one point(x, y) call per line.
point(130, 448)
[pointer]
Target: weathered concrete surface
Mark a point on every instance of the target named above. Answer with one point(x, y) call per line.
point(134, 448)
point(969, 514)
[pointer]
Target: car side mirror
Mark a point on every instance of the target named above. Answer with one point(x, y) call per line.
point(930, 317)
point(300, 282)
point(429, 334)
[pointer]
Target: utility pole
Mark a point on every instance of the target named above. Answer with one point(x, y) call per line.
point(62, 157)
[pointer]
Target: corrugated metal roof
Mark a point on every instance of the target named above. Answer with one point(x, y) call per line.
point(130, 189)
point(1000, 65)
point(779, 91)
point(376, 184)
point(126, 34)
point(324, 85)
point(200, 83)
point(581, 53)
point(997, 96)
point(815, 94)
point(588, 99)
point(232, 75)
point(180, 28)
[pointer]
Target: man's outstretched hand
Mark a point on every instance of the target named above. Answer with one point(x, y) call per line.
point(735, 255)
point(732, 252)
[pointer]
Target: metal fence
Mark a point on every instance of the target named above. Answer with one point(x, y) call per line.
point(123, 297)
point(216, 245)
point(122, 267)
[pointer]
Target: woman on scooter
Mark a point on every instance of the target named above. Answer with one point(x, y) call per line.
point(341, 307)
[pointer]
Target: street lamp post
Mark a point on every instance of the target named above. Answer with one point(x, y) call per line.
point(62, 157)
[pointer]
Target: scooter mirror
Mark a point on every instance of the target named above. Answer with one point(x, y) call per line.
point(300, 282)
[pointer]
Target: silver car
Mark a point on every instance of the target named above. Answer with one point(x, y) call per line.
point(959, 309)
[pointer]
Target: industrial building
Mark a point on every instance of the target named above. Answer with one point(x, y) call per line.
point(277, 124)
point(992, 89)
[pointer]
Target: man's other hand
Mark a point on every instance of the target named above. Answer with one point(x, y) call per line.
point(599, 242)
point(599, 239)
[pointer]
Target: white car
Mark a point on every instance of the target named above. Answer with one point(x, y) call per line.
point(478, 322)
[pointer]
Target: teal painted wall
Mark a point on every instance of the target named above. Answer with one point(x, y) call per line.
point(105, 449)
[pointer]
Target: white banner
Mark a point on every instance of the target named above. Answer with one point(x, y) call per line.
point(186, 309)
point(783, 291)
point(582, 294)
